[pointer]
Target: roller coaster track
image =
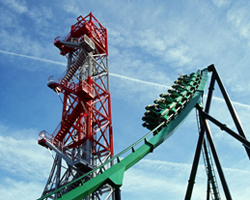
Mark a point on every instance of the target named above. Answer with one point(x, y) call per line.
point(162, 118)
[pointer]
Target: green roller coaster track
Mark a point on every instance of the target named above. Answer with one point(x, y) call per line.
point(162, 118)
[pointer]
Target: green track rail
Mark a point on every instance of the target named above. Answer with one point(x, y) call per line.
point(162, 118)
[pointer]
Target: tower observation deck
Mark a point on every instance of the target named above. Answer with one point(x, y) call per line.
point(83, 140)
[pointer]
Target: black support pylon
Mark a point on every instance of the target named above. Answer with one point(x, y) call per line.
point(204, 130)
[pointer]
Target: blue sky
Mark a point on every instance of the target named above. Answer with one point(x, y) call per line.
point(150, 44)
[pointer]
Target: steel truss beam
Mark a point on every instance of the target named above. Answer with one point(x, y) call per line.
point(204, 117)
point(83, 139)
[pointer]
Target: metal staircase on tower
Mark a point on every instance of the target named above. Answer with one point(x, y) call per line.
point(83, 140)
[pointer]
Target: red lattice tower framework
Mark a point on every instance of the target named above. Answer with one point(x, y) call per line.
point(83, 138)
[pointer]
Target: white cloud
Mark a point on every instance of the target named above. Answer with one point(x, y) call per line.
point(150, 184)
point(21, 190)
point(25, 165)
point(179, 55)
point(17, 6)
point(158, 179)
point(27, 154)
point(221, 3)
point(160, 77)
point(239, 18)
point(236, 104)
point(29, 30)
point(149, 39)
point(140, 81)
point(32, 159)
point(34, 58)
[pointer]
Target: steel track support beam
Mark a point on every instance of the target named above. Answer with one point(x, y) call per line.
point(191, 180)
point(210, 93)
point(207, 109)
point(58, 174)
point(223, 127)
point(229, 105)
point(208, 190)
point(210, 173)
point(47, 189)
point(200, 143)
point(117, 194)
point(216, 158)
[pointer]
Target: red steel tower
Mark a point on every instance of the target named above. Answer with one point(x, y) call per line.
point(83, 139)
